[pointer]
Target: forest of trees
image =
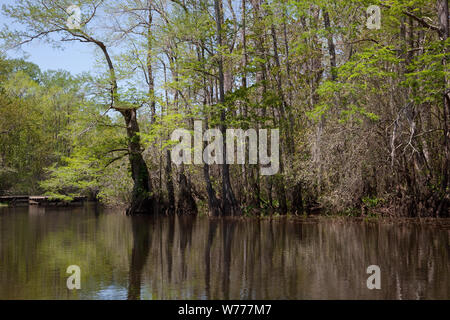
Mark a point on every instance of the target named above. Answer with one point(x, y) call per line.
point(363, 112)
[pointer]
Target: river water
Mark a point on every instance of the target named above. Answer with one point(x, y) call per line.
point(122, 257)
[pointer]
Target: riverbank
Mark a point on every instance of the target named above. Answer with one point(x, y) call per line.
point(354, 216)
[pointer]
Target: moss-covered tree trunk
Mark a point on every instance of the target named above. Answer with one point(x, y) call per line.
point(142, 200)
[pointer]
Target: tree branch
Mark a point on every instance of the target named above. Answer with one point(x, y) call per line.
point(418, 19)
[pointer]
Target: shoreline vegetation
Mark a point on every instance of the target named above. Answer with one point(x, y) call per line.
point(363, 113)
point(335, 217)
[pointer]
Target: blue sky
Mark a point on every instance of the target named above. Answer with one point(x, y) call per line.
point(75, 58)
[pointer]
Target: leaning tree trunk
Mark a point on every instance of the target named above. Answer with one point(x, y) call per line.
point(142, 199)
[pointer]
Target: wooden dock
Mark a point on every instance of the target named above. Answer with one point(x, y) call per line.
point(39, 200)
point(14, 200)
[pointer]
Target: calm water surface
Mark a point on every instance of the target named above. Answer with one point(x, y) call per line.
point(184, 258)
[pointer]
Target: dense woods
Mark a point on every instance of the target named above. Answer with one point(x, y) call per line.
point(363, 112)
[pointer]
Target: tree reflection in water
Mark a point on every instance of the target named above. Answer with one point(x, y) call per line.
point(200, 258)
point(140, 226)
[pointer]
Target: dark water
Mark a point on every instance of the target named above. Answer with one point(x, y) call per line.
point(184, 258)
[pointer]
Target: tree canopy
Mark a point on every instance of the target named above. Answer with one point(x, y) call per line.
point(363, 112)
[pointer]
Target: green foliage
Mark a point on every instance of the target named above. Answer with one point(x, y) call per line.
point(356, 118)
point(27, 106)
point(76, 176)
point(371, 202)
